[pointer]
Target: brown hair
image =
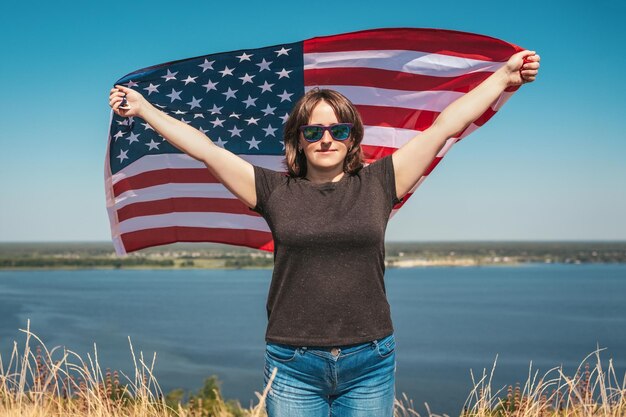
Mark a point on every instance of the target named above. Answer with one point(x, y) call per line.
point(300, 115)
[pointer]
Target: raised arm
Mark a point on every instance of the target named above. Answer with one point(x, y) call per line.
point(234, 172)
point(413, 158)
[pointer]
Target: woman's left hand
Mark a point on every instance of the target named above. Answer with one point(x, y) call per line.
point(522, 68)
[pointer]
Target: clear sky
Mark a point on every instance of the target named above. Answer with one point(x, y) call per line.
point(551, 165)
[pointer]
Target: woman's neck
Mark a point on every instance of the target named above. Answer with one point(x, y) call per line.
point(320, 177)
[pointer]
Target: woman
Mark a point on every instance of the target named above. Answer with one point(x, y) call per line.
point(329, 330)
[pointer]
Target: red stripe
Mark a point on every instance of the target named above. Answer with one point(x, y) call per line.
point(163, 176)
point(397, 117)
point(162, 236)
point(453, 43)
point(183, 205)
point(432, 165)
point(373, 153)
point(394, 80)
point(488, 114)
point(404, 200)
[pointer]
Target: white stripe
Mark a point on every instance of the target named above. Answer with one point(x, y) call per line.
point(390, 137)
point(190, 219)
point(181, 161)
point(435, 101)
point(108, 187)
point(412, 62)
point(394, 137)
point(173, 190)
point(504, 97)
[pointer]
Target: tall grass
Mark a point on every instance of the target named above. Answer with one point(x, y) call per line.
point(59, 383)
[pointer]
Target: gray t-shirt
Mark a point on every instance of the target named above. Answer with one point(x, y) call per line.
point(328, 287)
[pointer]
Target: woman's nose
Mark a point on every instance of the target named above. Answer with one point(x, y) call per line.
point(327, 137)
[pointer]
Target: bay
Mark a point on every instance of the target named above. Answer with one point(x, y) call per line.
point(447, 320)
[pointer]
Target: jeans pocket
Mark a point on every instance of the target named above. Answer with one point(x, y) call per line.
point(386, 346)
point(281, 353)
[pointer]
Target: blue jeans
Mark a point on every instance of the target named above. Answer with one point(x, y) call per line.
point(350, 381)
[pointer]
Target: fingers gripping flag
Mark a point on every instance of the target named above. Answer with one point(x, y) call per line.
point(399, 79)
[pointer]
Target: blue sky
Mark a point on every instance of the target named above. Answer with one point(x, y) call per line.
point(551, 165)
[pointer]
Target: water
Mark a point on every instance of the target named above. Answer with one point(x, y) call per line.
point(447, 321)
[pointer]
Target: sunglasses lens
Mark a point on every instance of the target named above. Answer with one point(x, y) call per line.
point(340, 132)
point(312, 133)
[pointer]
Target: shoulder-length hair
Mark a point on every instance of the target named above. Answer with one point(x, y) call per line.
point(301, 114)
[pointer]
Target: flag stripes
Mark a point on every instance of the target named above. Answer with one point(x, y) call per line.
point(399, 79)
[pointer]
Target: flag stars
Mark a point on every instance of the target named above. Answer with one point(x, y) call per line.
point(202, 130)
point(119, 134)
point(252, 121)
point(122, 155)
point(230, 93)
point(174, 95)
point(152, 88)
point(269, 130)
point(250, 101)
point(246, 78)
point(283, 73)
point(244, 57)
point(182, 119)
point(282, 51)
point(235, 132)
point(284, 117)
point(253, 143)
point(180, 112)
point(235, 115)
point(133, 137)
point(152, 145)
point(206, 65)
point(264, 65)
point(196, 102)
point(285, 96)
point(170, 75)
point(268, 110)
point(219, 142)
point(216, 110)
point(218, 122)
point(196, 115)
point(146, 126)
point(266, 87)
point(210, 86)
point(226, 71)
point(131, 84)
point(190, 79)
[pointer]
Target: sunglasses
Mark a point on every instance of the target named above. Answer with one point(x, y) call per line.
point(339, 131)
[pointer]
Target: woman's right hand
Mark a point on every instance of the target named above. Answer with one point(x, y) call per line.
point(136, 103)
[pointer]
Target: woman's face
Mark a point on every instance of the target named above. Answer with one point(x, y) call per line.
point(327, 153)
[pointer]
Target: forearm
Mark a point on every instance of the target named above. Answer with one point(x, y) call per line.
point(463, 111)
point(184, 137)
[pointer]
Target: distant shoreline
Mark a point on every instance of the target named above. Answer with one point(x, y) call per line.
point(101, 255)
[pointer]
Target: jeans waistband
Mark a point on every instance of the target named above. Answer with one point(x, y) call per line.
point(345, 348)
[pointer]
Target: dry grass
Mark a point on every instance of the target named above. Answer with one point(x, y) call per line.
point(35, 384)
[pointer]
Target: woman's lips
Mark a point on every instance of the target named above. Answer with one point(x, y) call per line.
point(327, 151)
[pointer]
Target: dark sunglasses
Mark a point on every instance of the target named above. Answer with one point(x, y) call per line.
point(313, 133)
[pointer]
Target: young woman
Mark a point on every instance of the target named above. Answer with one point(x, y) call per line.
point(329, 330)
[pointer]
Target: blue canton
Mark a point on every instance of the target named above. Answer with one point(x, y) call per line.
point(240, 100)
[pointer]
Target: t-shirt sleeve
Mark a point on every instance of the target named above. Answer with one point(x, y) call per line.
point(383, 170)
point(265, 182)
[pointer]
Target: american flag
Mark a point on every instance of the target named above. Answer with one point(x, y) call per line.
point(399, 79)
